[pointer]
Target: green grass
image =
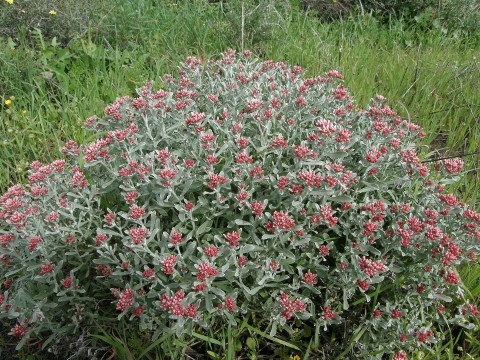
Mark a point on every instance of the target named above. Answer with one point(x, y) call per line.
point(427, 77)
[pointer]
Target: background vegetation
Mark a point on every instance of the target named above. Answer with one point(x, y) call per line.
point(63, 61)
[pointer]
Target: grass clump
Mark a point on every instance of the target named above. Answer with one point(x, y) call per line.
point(63, 20)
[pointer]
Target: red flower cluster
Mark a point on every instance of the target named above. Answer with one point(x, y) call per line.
point(282, 220)
point(206, 270)
point(168, 263)
point(290, 307)
point(370, 267)
point(174, 305)
point(125, 299)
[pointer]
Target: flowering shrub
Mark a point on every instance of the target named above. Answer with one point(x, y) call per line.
point(241, 187)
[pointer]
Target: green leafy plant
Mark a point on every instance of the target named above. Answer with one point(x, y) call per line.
point(241, 187)
point(326, 9)
point(253, 22)
point(63, 20)
point(460, 17)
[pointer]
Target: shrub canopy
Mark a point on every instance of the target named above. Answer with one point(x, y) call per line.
point(240, 187)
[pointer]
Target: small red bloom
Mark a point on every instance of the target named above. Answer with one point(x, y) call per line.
point(176, 237)
point(328, 314)
point(34, 241)
point(452, 277)
point(191, 311)
point(131, 196)
point(290, 307)
point(301, 151)
point(211, 251)
point(138, 234)
point(138, 311)
point(282, 220)
point(100, 239)
point(273, 265)
point(396, 314)
point(148, 273)
point(279, 141)
point(323, 250)
point(167, 264)
point(309, 278)
point(453, 165)
point(363, 285)
point(232, 238)
point(189, 163)
point(257, 208)
point(109, 218)
point(53, 216)
point(229, 303)
point(19, 331)
point(137, 212)
point(125, 299)
point(400, 355)
point(242, 261)
point(200, 287)
point(206, 270)
point(46, 269)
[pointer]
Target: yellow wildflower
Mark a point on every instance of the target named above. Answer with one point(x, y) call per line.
point(8, 102)
point(9, 1)
point(52, 12)
point(296, 357)
point(24, 112)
